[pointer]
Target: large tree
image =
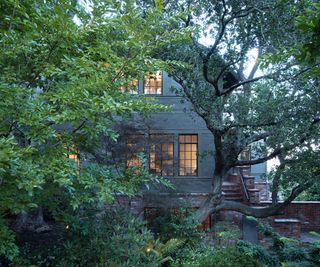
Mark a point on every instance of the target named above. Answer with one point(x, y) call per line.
point(275, 111)
point(62, 65)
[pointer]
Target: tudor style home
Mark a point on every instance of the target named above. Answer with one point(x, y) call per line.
point(178, 146)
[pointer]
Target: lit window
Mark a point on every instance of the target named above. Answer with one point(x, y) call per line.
point(161, 154)
point(153, 83)
point(188, 153)
point(74, 154)
point(134, 149)
point(131, 87)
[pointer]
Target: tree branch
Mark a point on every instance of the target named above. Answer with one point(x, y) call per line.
point(251, 125)
point(79, 127)
point(255, 66)
point(233, 87)
point(209, 206)
point(278, 151)
point(259, 160)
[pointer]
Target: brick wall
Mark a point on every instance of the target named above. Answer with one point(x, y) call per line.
point(263, 190)
point(307, 212)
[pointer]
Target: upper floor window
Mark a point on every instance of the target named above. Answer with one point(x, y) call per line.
point(161, 154)
point(131, 87)
point(153, 83)
point(188, 155)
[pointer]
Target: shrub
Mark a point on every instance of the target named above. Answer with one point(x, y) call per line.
point(115, 238)
point(204, 256)
point(192, 256)
point(258, 252)
point(291, 252)
point(8, 248)
point(176, 224)
point(229, 257)
point(226, 233)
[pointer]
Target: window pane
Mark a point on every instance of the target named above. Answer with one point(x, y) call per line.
point(188, 155)
point(153, 83)
point(135, 146)
point(161, 152)
point(194, 139)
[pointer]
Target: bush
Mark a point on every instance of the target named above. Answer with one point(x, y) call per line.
point(115, 238)
point(226, 233)
point(258, 252)
point(8, 248)
point(208, 257)
point(291, 252)
point(230, 257)
point(176, 224)
point(193, 256)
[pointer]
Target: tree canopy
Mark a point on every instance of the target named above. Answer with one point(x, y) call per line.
point(252, 84)
point(62, 67)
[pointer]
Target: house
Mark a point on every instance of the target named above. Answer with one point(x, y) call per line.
point(178, 146)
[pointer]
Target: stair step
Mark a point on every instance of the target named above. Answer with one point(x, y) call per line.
point(228, 183)
point(235, 194)
point(234, 199)
point(231, 188)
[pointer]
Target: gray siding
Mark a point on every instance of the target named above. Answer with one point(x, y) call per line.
point(182, 120)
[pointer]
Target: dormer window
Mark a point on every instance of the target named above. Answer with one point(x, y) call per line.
point(153, 83)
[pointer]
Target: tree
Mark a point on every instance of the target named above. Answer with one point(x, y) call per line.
point(275, 112)
point(61, 70)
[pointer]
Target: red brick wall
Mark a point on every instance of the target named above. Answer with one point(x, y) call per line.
point(308, 212)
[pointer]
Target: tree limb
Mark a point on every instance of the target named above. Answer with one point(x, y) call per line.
point(209, 206)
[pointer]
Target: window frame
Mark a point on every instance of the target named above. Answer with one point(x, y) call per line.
point(143, 84)
point(197, 158)
point(161, 144)
point(128, 141)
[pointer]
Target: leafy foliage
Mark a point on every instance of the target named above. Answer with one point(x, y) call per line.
point(176, 224)
point(113, 238)
point(8, 248)
point(292, 252)
point(249, 91)
point(61, 69)
point(208, 257)
point(257, 252)
point(309, 24)
point(226, 233)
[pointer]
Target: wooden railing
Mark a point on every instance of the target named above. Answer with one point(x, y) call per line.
point(244, 186)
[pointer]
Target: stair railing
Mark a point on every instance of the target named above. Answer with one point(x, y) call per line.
point(245, 189)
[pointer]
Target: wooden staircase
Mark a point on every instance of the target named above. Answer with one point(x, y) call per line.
point(232, 191)
point(240, 187)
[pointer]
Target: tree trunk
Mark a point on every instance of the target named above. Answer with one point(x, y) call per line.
point(212, 201)
point(21, 221)
point(29, 220)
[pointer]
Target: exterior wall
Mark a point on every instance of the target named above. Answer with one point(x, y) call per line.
point(307, 212)
point(259, 171)
point(182, 120)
